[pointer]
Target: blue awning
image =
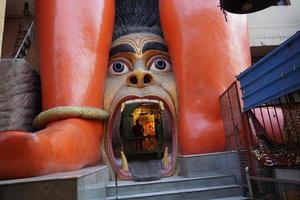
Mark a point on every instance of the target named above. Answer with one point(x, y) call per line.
point(273, 76)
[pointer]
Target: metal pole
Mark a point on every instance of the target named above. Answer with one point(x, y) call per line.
point(116, 184)
point(271, 123)
point(281, 134)
point(247, 170)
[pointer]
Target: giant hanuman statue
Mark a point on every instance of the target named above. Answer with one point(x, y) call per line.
point(127, 83)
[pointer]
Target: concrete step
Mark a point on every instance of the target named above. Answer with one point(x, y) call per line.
point(233, 198)
point(203, 193)
point(167, 184)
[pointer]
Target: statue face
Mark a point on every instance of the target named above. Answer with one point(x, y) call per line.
point(140, 85)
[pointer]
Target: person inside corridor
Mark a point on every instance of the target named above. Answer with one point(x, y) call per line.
point(138, 131)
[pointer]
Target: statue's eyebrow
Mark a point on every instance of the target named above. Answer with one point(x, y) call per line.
point(154, 46)
point(121, 48)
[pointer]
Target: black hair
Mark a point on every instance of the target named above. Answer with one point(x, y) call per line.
point(135, 16)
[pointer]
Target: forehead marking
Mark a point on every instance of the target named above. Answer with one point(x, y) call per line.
point(138, 42)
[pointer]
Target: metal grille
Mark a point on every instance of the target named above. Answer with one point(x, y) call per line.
point(279, 120)
point(232, 118)
point(235, 126)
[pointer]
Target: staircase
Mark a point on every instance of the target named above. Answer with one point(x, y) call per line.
point(23, 41)
point(220, 187)
point(214, 176)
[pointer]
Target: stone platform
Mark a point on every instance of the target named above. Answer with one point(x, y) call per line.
point(210, 164)
point(88, 183)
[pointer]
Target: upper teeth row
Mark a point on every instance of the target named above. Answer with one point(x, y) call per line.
point(161, 104)
point(141, 101)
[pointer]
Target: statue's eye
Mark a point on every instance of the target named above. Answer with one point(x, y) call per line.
point(118, 68)
point(160, 64)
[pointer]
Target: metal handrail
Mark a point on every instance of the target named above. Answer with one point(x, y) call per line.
point(274, 180)
point(24, 40)
point(247, 170)
point(116, 185)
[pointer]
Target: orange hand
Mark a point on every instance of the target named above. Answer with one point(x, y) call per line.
point(206, 52)
point(74, 41)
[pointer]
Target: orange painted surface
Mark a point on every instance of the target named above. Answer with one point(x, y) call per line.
point(206, 52)
point(74, 39)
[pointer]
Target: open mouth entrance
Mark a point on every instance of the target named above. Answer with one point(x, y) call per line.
point(144, 130)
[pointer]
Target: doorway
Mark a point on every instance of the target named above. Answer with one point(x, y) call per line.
point(141, 132)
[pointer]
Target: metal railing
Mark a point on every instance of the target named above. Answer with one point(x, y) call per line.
point(261, 188)
point(280, 118)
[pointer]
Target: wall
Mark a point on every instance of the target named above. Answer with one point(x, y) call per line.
point(15, 7)
point(13, 19)
point(274, 25)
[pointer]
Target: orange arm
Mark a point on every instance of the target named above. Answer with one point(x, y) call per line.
point(207, 52)
point(74, 39)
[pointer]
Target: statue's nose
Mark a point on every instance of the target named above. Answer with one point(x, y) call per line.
point(139, 79)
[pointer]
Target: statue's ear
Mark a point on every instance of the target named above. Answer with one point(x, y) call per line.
point(74, 41)
point(206, 52)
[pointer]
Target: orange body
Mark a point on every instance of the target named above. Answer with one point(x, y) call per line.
point(207, 52)
point(74, 40)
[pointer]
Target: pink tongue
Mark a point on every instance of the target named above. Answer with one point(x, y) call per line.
point(145, 170)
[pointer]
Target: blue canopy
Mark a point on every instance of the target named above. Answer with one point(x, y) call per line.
point(275, 75)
